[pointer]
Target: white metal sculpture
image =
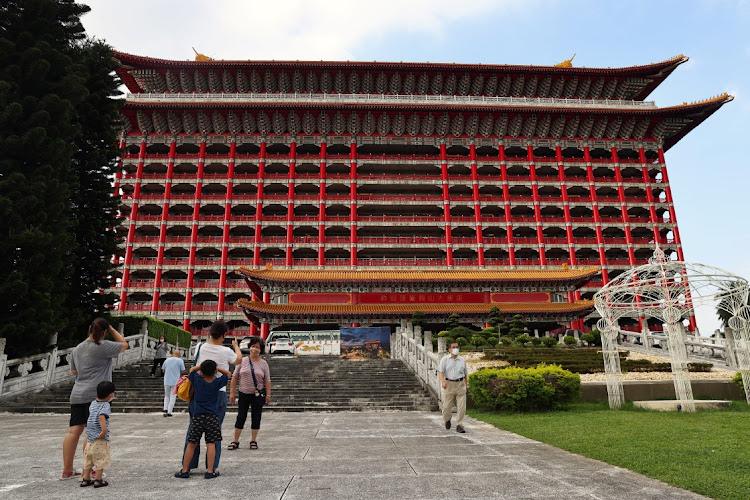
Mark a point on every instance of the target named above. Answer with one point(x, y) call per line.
point(670, 291)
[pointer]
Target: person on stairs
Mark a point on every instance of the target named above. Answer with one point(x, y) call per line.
point(172, 369)
point(161, 354)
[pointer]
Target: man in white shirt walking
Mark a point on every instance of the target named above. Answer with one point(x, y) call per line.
point(454, 380)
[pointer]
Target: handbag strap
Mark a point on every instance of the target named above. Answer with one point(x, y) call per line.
point(197, 353)
point(252, 372)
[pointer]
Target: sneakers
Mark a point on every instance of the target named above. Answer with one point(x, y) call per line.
point(168, 415)
point(76, 474)
point(447, 424)
point(460, 429)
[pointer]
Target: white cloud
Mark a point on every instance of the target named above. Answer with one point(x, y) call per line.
point(289, 29)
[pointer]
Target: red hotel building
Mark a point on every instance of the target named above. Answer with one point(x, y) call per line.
point(366, 165)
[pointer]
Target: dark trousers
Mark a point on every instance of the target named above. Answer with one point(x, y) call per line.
point(255, 405)
point(158, 362)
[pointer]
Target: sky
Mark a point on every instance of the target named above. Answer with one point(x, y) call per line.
point(708, 172)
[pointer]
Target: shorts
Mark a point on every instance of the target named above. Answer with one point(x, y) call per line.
point(96, 455)
point(205, 424)
point(79, 414)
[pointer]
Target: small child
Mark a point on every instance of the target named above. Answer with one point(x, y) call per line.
point(205, 415)
point(96, 455)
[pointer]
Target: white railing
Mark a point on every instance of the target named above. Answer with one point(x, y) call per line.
point(306, 97)
point(416, 351)
point(702, 349)
point(35, 373)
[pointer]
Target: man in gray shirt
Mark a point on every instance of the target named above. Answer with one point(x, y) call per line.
point(454, 380)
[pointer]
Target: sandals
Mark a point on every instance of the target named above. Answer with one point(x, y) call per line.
point(233, 445)
point(253, 445)
point(86, 482)
point(211, 475)
point(71, 475)
point(182, 475)
point(100, 483)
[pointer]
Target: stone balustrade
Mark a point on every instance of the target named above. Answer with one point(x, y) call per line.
point(35, 373)
point(415, 349)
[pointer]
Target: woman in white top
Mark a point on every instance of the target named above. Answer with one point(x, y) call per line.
point(215, 350)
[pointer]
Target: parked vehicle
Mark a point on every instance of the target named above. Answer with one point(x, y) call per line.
point(280, 343)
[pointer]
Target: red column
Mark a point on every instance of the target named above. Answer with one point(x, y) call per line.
point(290, 204)
point(597, 217)
point(353, 204)
point(264, 327)
point(670, 201)
point(477, 207)
point(506, 203)
point(225, 233)
point(649, 195)
point(446, 206)
point(163, 225)
point(194, 235)
point(116, 187)
point(623, 206)
point(322, 207)
point(131, 228)
point(259, 204)
point(537, 208)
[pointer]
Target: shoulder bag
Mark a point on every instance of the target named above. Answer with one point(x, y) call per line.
point(258, 392)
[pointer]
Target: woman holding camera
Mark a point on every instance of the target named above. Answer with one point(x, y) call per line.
point(254, 380)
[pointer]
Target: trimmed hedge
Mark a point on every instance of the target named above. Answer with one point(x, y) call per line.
point(156, 328)
point(738, 380)
point(583, 360)
point(546, 387)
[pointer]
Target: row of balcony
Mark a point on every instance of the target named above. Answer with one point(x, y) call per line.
point(409, 240)
point(398, 218)
point(391, 198)
point(314, 158)
point(389, 177)
point(367, 262)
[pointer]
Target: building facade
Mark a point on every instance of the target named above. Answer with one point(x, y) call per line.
point(345, 165)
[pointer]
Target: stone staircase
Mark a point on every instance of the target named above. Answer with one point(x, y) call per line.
point(299, 383)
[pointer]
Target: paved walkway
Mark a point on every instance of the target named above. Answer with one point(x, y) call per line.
point(395, 455)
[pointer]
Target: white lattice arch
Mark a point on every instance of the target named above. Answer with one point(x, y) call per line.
point(670, 291)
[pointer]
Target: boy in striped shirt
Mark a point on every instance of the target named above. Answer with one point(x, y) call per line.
point(97, 454)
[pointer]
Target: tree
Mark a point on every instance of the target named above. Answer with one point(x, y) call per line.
point(418, 318)
point(495, 317)
point(46, 108)
point(453, 320)
point(517, 326)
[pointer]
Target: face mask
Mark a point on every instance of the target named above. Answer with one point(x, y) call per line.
point(455, 351)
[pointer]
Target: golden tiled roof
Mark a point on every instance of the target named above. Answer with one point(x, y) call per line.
point(354, 309)
point(422, 275)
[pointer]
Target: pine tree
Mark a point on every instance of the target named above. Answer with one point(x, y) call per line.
point(45, 109)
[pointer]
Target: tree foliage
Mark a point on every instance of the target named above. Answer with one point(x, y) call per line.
point(53, 86)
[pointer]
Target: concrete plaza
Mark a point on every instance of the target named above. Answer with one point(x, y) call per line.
point(390, 455)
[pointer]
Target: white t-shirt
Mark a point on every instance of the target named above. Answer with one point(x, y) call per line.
point(221, 354)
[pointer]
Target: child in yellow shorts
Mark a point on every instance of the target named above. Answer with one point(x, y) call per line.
point(96, 454)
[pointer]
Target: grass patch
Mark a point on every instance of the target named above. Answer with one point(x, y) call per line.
point(705, 452)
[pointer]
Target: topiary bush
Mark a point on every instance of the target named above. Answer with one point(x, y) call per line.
point(523, 339)
point(546, 387)
point(549, 341)
point(461, 341)
point(506, 340)
point(570, 340)
point(477, 340)
point(468, 347)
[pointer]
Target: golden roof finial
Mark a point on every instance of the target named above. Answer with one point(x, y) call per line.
point(568, 63)
point(201, 57)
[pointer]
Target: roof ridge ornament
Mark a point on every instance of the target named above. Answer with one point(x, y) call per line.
point(201, 57)
point(568, 63)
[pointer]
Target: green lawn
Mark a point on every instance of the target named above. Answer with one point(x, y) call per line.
point(707, 452)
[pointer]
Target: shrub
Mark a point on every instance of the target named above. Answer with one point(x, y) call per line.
point(461, 341)
point(545, 387)
point(738, 380)
point(570, 340)
point(477, 340)
point(468, 347)
point(462, 331)
point(588, 338)
point(492, 340)
point(597, 338)
point(487, 332)
point(444, 333)
point(523, 339)
point(549, 341)
point(506, 340)
point(536, 341)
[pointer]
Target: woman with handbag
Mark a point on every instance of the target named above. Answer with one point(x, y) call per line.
point(254, 380)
